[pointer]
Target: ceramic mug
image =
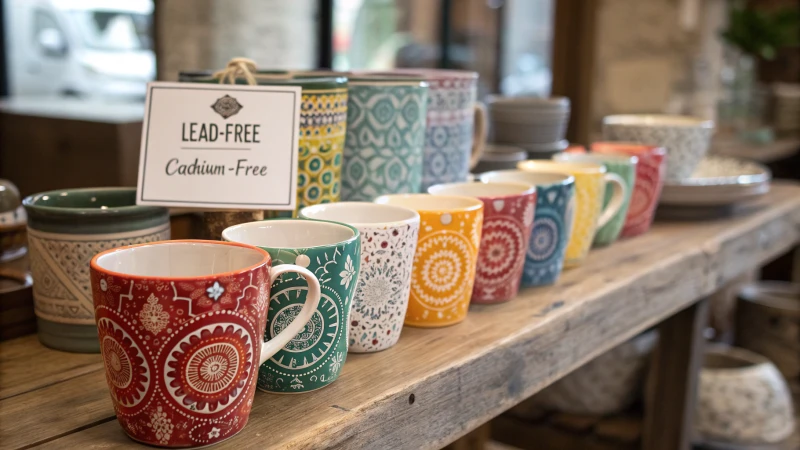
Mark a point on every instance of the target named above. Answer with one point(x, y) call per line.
point(314, 358)
point(687, 139)
point(508, 214)
point(552, 224)
point(445, 259)
point(180, 326)
point(625, 167)
point(385, 136)
point(455, 132)
point(649, 181)
point(591, 180)
point(65, 230)
point(388, 242)
point(323, 121)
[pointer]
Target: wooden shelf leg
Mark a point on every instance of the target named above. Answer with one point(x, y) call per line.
point(672, 381)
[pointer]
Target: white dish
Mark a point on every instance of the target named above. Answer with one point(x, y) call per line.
point(718, 181)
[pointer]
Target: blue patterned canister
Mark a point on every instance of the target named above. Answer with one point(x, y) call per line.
point(385, 136)
point(552, 225)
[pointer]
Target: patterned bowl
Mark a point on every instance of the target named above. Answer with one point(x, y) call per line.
point(742, 398)
point(718, 181)
point(687, 139)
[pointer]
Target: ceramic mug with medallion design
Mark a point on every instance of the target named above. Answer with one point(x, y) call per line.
point(552, 224)
point(66, 229)
point(591, 181)
point(314, 358)
point(625, 167)
point(385, 136)
point(455, 133)
point(649, 181)
point(508, 215)
point(180, 326)
point(323, 122)
point(388, 242)
point(445, 260)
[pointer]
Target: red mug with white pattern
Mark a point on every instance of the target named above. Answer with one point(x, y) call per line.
point(508, 214)
point(181, 326)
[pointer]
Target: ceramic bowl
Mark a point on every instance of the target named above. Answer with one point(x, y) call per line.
point(742, 398)
point(12, 223)
point(608, 384)
point(687, 139)
point(500, 157)
point(718, 181)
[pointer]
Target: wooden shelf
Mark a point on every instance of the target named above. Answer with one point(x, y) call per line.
point(436, 384)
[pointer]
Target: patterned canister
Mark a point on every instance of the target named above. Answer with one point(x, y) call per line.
point(65, 230)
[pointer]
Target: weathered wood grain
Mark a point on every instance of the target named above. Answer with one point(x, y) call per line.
point(27, 365)
point(436, 385)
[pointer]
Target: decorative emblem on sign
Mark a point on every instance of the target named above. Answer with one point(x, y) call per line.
point(226, 106)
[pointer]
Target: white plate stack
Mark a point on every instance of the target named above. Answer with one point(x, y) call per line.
point(539, 125)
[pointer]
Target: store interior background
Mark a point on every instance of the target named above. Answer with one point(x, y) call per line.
point(74, 73)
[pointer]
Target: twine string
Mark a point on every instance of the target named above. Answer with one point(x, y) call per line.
point(236, 68)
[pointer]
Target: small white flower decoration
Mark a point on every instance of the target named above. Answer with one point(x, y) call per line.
point(103, 285)
point(215, 291)
point(214, 433)
point(348, 273)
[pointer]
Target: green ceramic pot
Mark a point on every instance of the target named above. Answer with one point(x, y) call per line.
point(625, 167)
point(65, 230)
point(332, 251)
point(323, 121)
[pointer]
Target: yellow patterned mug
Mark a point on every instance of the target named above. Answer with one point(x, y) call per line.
point(591, 181)
point(447, 252)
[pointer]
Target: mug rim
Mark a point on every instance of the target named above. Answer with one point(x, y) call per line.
point(475, 204)
point(566, 180)
point(588, 168)
point(526, 189)
point(415, 217)
point(356, 235)
point(30, 204)
point(426, 73)
point(635, 147)
point(658, 120)
point(633, 160)
point(265, 260)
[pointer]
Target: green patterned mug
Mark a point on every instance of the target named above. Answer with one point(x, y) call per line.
point(625, 167)
point(385, 136)
point(332, 251)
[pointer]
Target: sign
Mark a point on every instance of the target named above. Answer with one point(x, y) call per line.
point(219, 146)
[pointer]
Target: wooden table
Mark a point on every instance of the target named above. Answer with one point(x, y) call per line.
point(438, 384)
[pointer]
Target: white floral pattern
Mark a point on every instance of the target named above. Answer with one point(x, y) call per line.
point(348, 273)
point(214, 433)
point(215, 291)
point(152, 316)
point(161, 425)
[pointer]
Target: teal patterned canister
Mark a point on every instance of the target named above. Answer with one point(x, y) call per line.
point(332, 251)
point(625, 167)
point(385, 136)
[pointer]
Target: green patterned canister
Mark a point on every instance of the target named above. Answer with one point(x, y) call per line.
point(332, 251)
point(385, 136)
point(625, 167)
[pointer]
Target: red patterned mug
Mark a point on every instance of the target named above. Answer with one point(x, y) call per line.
point(181, 325)
point(508, 214)
point(649, 179)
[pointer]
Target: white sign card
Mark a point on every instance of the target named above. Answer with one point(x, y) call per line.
point(219, 146)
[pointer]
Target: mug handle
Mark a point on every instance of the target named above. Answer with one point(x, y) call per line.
point(617, 199)
point(478, 134)
point(309, 307)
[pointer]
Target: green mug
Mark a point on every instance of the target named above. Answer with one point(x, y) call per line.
point(625, 167)
point(332, 251)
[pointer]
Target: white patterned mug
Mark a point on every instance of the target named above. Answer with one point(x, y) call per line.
point(388, 242)
point(180, 326)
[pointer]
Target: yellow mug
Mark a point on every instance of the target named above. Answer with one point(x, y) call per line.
point(591, 181)
point(446, 256)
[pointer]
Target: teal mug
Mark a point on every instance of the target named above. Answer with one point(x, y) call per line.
point(332, 252)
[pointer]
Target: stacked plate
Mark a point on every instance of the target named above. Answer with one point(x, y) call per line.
point(538, 125)
point(715, 187)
